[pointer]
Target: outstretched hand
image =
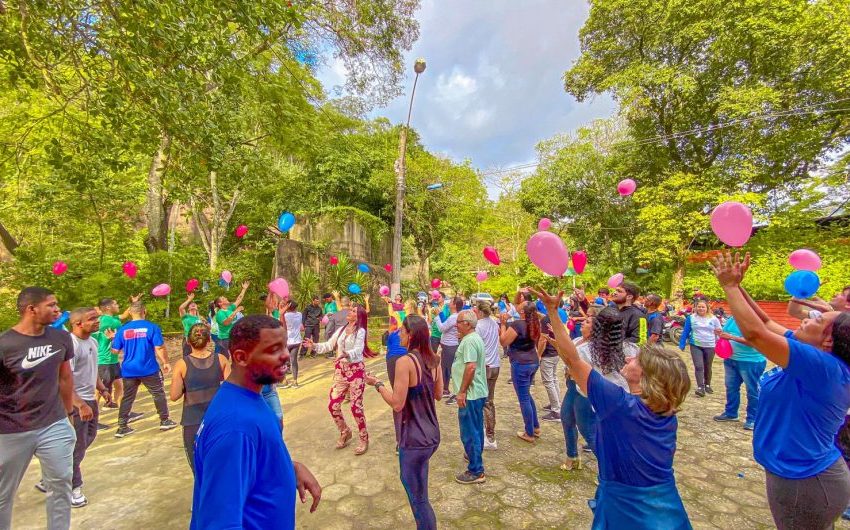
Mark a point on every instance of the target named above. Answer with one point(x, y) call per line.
point(730, 269)
point(549, 301)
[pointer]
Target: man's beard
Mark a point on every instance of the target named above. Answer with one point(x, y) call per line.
point(264, 378)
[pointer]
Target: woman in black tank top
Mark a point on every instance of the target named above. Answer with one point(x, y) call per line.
point(418, 383)
point(197, 376)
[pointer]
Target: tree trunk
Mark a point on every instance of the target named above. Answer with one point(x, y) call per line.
point(156, 205)
point(677, 283)
point(213, 231)
point(10, 244)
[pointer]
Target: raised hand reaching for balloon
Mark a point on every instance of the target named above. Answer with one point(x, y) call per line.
point(730, 269)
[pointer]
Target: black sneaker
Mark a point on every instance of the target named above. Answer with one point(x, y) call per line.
point(102, 426)
point(135, 416)
point(547, 408)
point(551, 416)
point(452, 400)
point(40, 486)
point(708, 389)
point(112, 405)
point(468, 478)
point(586, 448)
point(724, 417)
point(167, 425)
point(124, 431)
point(700, 392)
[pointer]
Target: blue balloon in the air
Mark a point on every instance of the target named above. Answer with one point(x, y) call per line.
point(363, 268)
point(61, 320)
point(285, 221)
point(541, 308)
point(354, 288)
point(802, 284)
point(502, 306)
point(562, 315)
point(222, 283)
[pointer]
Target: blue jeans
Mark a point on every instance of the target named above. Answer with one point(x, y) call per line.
point(521, 375)
point(747, 372)
point(414, 477)
point(269, 393)
point(577, 412)
point(471, 421)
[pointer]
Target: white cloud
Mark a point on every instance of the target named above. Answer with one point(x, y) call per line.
point(456, 88)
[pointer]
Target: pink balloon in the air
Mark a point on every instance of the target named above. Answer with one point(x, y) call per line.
point(732, 223)
point(241, 230)
point(626, 187)
point(492, 255)
point(435, 294)
point(334, 260)
point(384, 290)
point(579, 261)
point(615, 280)
point(548, 252)
point(59, 268)
point(436, 283)
point(130, 269)
point(280, 287)
point(544, 224)
point(804, 260)
point(191, 285)
point(388, 267)
point(227, 276)
point(481, 276)
point(162, 289)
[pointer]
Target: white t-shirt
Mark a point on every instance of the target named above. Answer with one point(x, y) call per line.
point(84, 367)
point(702, 330)
point(293, 327)
point(615, 377)
point(488, 328)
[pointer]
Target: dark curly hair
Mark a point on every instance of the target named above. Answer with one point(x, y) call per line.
point(532, 320)
point(199, 336)
point(841, 337)
point(606, 341)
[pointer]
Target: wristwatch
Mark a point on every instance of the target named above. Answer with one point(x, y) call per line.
point(378, 386)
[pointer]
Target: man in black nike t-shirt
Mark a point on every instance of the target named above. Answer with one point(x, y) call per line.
point(36, 396)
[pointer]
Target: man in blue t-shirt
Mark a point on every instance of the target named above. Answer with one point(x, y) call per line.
point(141, 343)
point(745, 366)
point(244, 476)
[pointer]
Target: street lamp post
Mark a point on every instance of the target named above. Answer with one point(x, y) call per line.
point(401, 167)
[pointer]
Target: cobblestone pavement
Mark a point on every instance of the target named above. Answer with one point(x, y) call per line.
point(144, 481)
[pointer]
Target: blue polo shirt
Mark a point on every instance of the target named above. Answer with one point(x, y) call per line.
point(138, 340)
point(244, 477)
point(800, 410)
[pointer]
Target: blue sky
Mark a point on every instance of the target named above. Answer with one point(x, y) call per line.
point(493, 87)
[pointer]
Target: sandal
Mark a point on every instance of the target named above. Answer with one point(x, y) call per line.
point(537, 432)
point(571, 463)
point(362, 448)
point(524, 437)
point(344, 439)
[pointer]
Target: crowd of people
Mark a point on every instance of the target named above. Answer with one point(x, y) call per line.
point(623, 391)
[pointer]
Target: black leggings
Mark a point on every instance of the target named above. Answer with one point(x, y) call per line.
point(702, 357)
point(189, 432)
point(809, 503)
point(446, 360)
point(414, 477)
point(293, 359)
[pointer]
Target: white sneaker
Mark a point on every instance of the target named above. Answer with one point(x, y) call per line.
point(490, 445)
point(78, 500)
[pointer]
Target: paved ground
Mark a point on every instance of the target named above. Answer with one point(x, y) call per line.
point(144, 481)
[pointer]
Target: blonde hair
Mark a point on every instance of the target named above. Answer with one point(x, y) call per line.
point(665, 382)
point(410, 307)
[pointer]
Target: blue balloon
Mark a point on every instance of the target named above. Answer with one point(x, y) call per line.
point(354, 288)
point(363, 267)
point(285, 221)
point(222, 283)
point(61, 320)
point(541, 308)
point(562, 315)
point(502, 306)
point(802, 284)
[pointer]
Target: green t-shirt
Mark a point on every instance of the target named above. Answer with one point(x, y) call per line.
point(470, 350)
point(435, 322)
point(330, 307)
point(222, 315)
point(189, 321)
point(276, 314)
point(104, 344)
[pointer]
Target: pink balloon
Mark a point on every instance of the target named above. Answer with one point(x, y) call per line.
point(571, 325)
point(334, 260)
point(435, 294)
point(544, 224)
point(481, 276)
point(615, 280)
point(492, 255)
point(626, 187)
point(59, 268)
point(732, 223)
point(130, 269)
point(388, 267)
point(241, 230)
point(436, 283)
point(805, 260)
point(280, 287)
point(579, 261)
point(162, 289)
point(384, 290)
point(723, 348)
point(548, 252)
point(325, 320)
point(227, 276)
point(191, 285)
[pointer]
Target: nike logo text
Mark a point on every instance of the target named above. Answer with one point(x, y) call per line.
point(37, 355)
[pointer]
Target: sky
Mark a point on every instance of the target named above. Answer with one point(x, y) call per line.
point(493, 85)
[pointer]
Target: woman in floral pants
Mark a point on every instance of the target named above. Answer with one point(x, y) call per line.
point(349, 346)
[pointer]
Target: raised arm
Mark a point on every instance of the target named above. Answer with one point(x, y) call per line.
point(244, 290)
point(754, 327)
point(579, 369)
point(133, 299)
point(182, 308)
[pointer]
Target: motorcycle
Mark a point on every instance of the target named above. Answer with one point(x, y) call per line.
point(673, 328)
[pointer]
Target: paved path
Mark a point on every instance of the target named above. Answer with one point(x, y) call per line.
point(144, 481)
